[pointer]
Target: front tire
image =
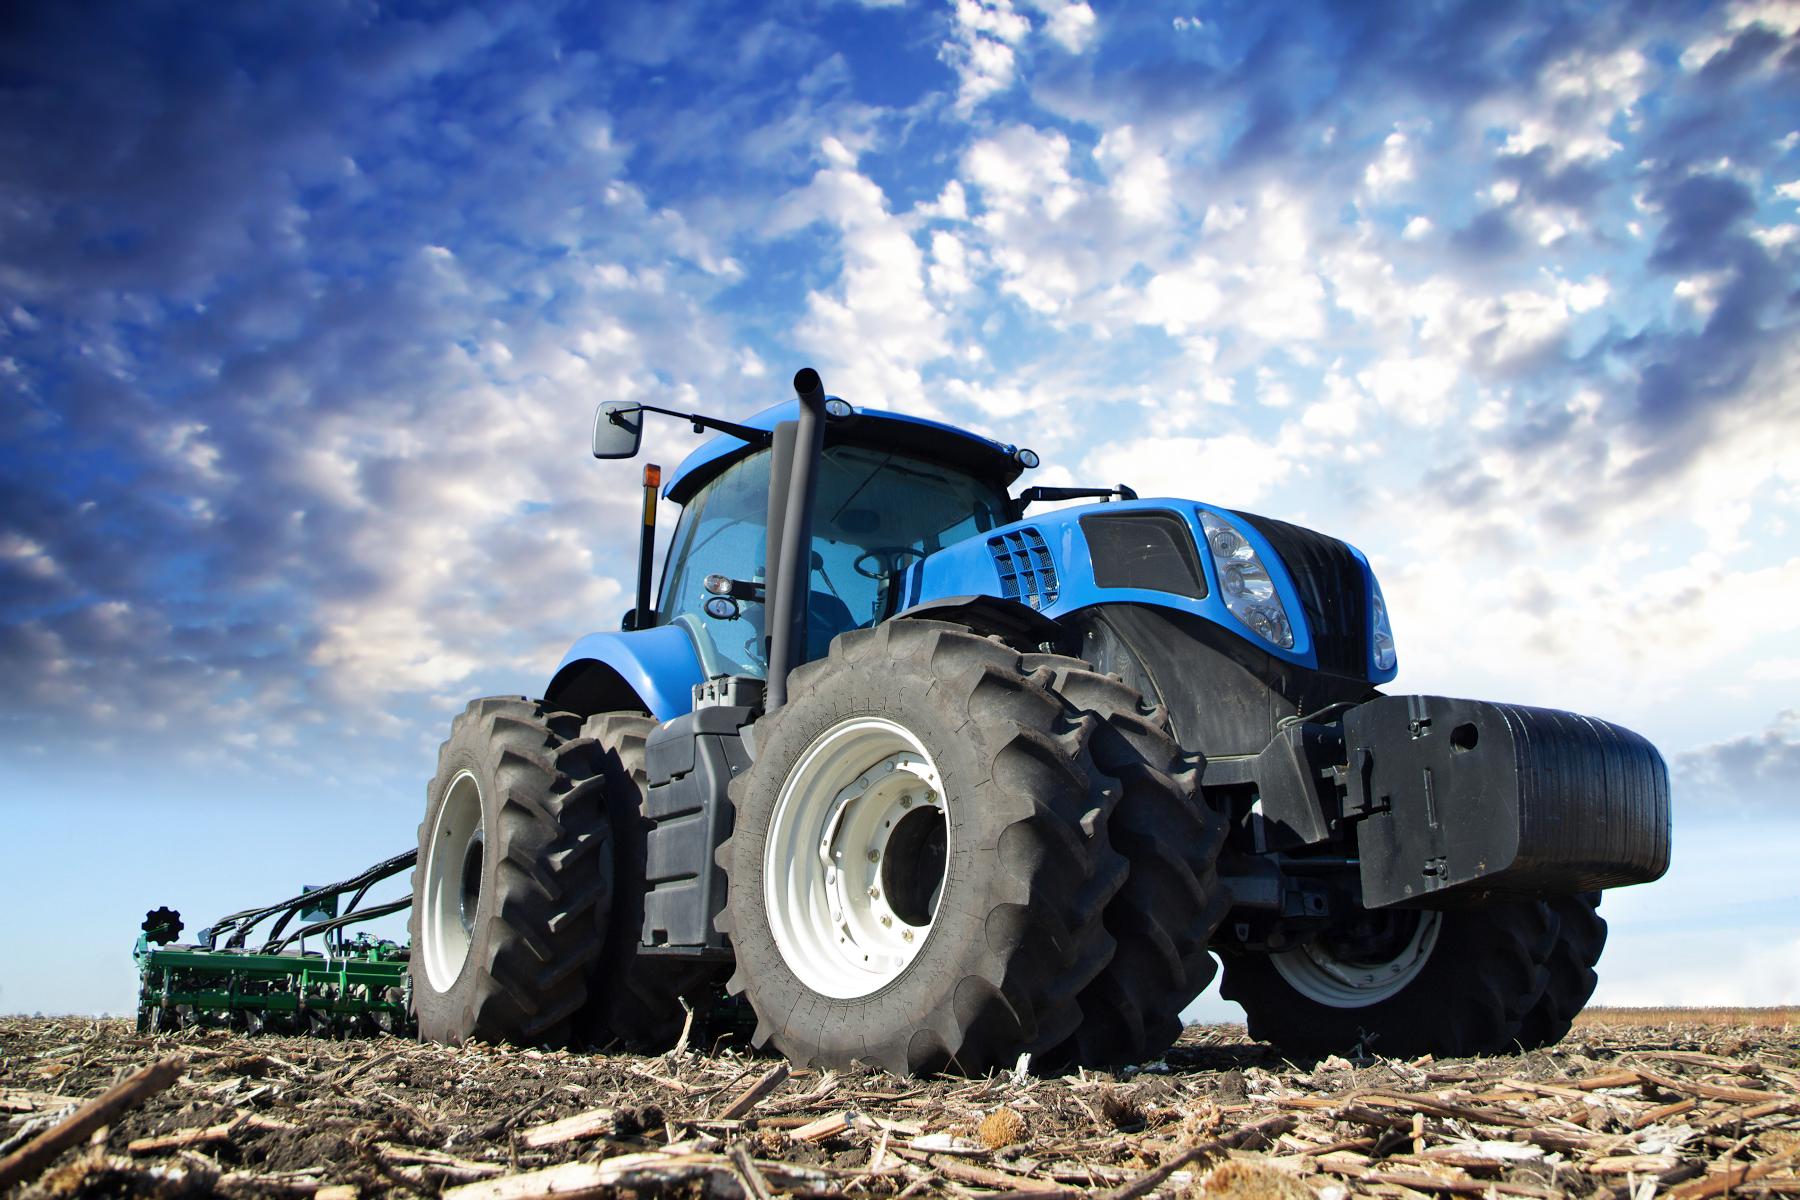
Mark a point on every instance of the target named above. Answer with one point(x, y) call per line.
point(1580, 937)
point(1400, 983)
point(920, 860)
point(514, 874)
point(1172, 900)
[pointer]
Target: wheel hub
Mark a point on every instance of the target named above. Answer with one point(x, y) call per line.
point(855, 860)
point(453, 871)
point(469, 897)
point(1357, 968)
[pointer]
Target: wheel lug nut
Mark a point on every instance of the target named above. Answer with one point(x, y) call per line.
point(906, 935)
point(886, 920)
point(906, 802)
point(874, 856)
point(874, 893)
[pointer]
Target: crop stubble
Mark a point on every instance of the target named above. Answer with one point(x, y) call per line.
point(1688, 1108)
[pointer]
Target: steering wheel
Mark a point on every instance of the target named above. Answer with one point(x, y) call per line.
point(888, 561)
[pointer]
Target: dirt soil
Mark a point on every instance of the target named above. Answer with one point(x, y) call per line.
point(1686, 1109)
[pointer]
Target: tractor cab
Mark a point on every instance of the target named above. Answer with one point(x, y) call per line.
point(869, 494)
point(888, 495)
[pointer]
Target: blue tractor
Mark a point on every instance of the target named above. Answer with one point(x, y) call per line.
point(932, 782)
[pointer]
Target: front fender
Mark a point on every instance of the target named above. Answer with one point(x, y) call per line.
point(654, 670)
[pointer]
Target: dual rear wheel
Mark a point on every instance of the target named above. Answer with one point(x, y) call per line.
point(948, 853)
point(515, 867)
point(529, 888)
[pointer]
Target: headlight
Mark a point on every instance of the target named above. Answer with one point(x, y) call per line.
point(1383, 640)
point(1245, 583)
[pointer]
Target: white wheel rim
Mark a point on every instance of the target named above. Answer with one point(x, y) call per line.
point(453, 870)
point(1318, 973)
point(851, 871)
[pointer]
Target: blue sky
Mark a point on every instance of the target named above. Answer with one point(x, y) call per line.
point(304, 309)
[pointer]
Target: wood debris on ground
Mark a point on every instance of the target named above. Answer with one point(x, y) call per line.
point(1619, 1112)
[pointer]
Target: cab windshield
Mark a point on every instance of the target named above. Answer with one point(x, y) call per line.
point(878, 513)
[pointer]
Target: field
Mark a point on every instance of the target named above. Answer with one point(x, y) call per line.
point(1747, 1017)
point(1691, 1104)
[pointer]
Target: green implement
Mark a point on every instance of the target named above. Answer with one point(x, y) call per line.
point(361, 990)
point(348, 987)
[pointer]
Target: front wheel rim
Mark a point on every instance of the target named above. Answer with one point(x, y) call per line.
point(452, 891)
point(856, 859)
point(1338, 981)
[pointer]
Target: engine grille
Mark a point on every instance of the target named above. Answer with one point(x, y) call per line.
point(1333, 591)
point(1027, 570)
point(1144, 548)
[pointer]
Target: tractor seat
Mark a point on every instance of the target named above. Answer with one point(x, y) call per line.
point(826, 617)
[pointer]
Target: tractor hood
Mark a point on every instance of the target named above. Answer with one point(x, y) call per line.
point(933, 441)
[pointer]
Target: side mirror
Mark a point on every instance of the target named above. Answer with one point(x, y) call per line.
point(618, 428)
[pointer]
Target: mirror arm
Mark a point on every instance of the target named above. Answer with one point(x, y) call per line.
point(1033, 495)
point(744, 433)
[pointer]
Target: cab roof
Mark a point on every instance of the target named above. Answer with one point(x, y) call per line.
point(933, 441)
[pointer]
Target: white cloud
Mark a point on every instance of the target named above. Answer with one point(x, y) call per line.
point(981, 49)
point(1774, 237)
point(1224, 218)
point(1256, 278)
point(1585, 296)
point(1780, 16)
point(1701, 292)
point(1750, 773)
point(997, 18)
point(1070, 23)
point(1187, 299)
point(1139, 180)
point(949, 265)
point(1229, 468)
point(1392, 167)
point(1023, 179)
point(1416, 389)
point(1579, 97)
point(1271, 390)
point(877, 327)
point(998, 402)
point(1336, 416)
point(1022, 170)
point(951, 205)
point(28, 556)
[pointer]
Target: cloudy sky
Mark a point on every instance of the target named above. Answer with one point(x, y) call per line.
point(304, 309)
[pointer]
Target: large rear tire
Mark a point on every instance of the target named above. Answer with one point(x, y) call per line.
point(1400, 983)
point(1580, 937)
point(636, 999)
point(1172, 900)
point(514, 875)
point(920, 862)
